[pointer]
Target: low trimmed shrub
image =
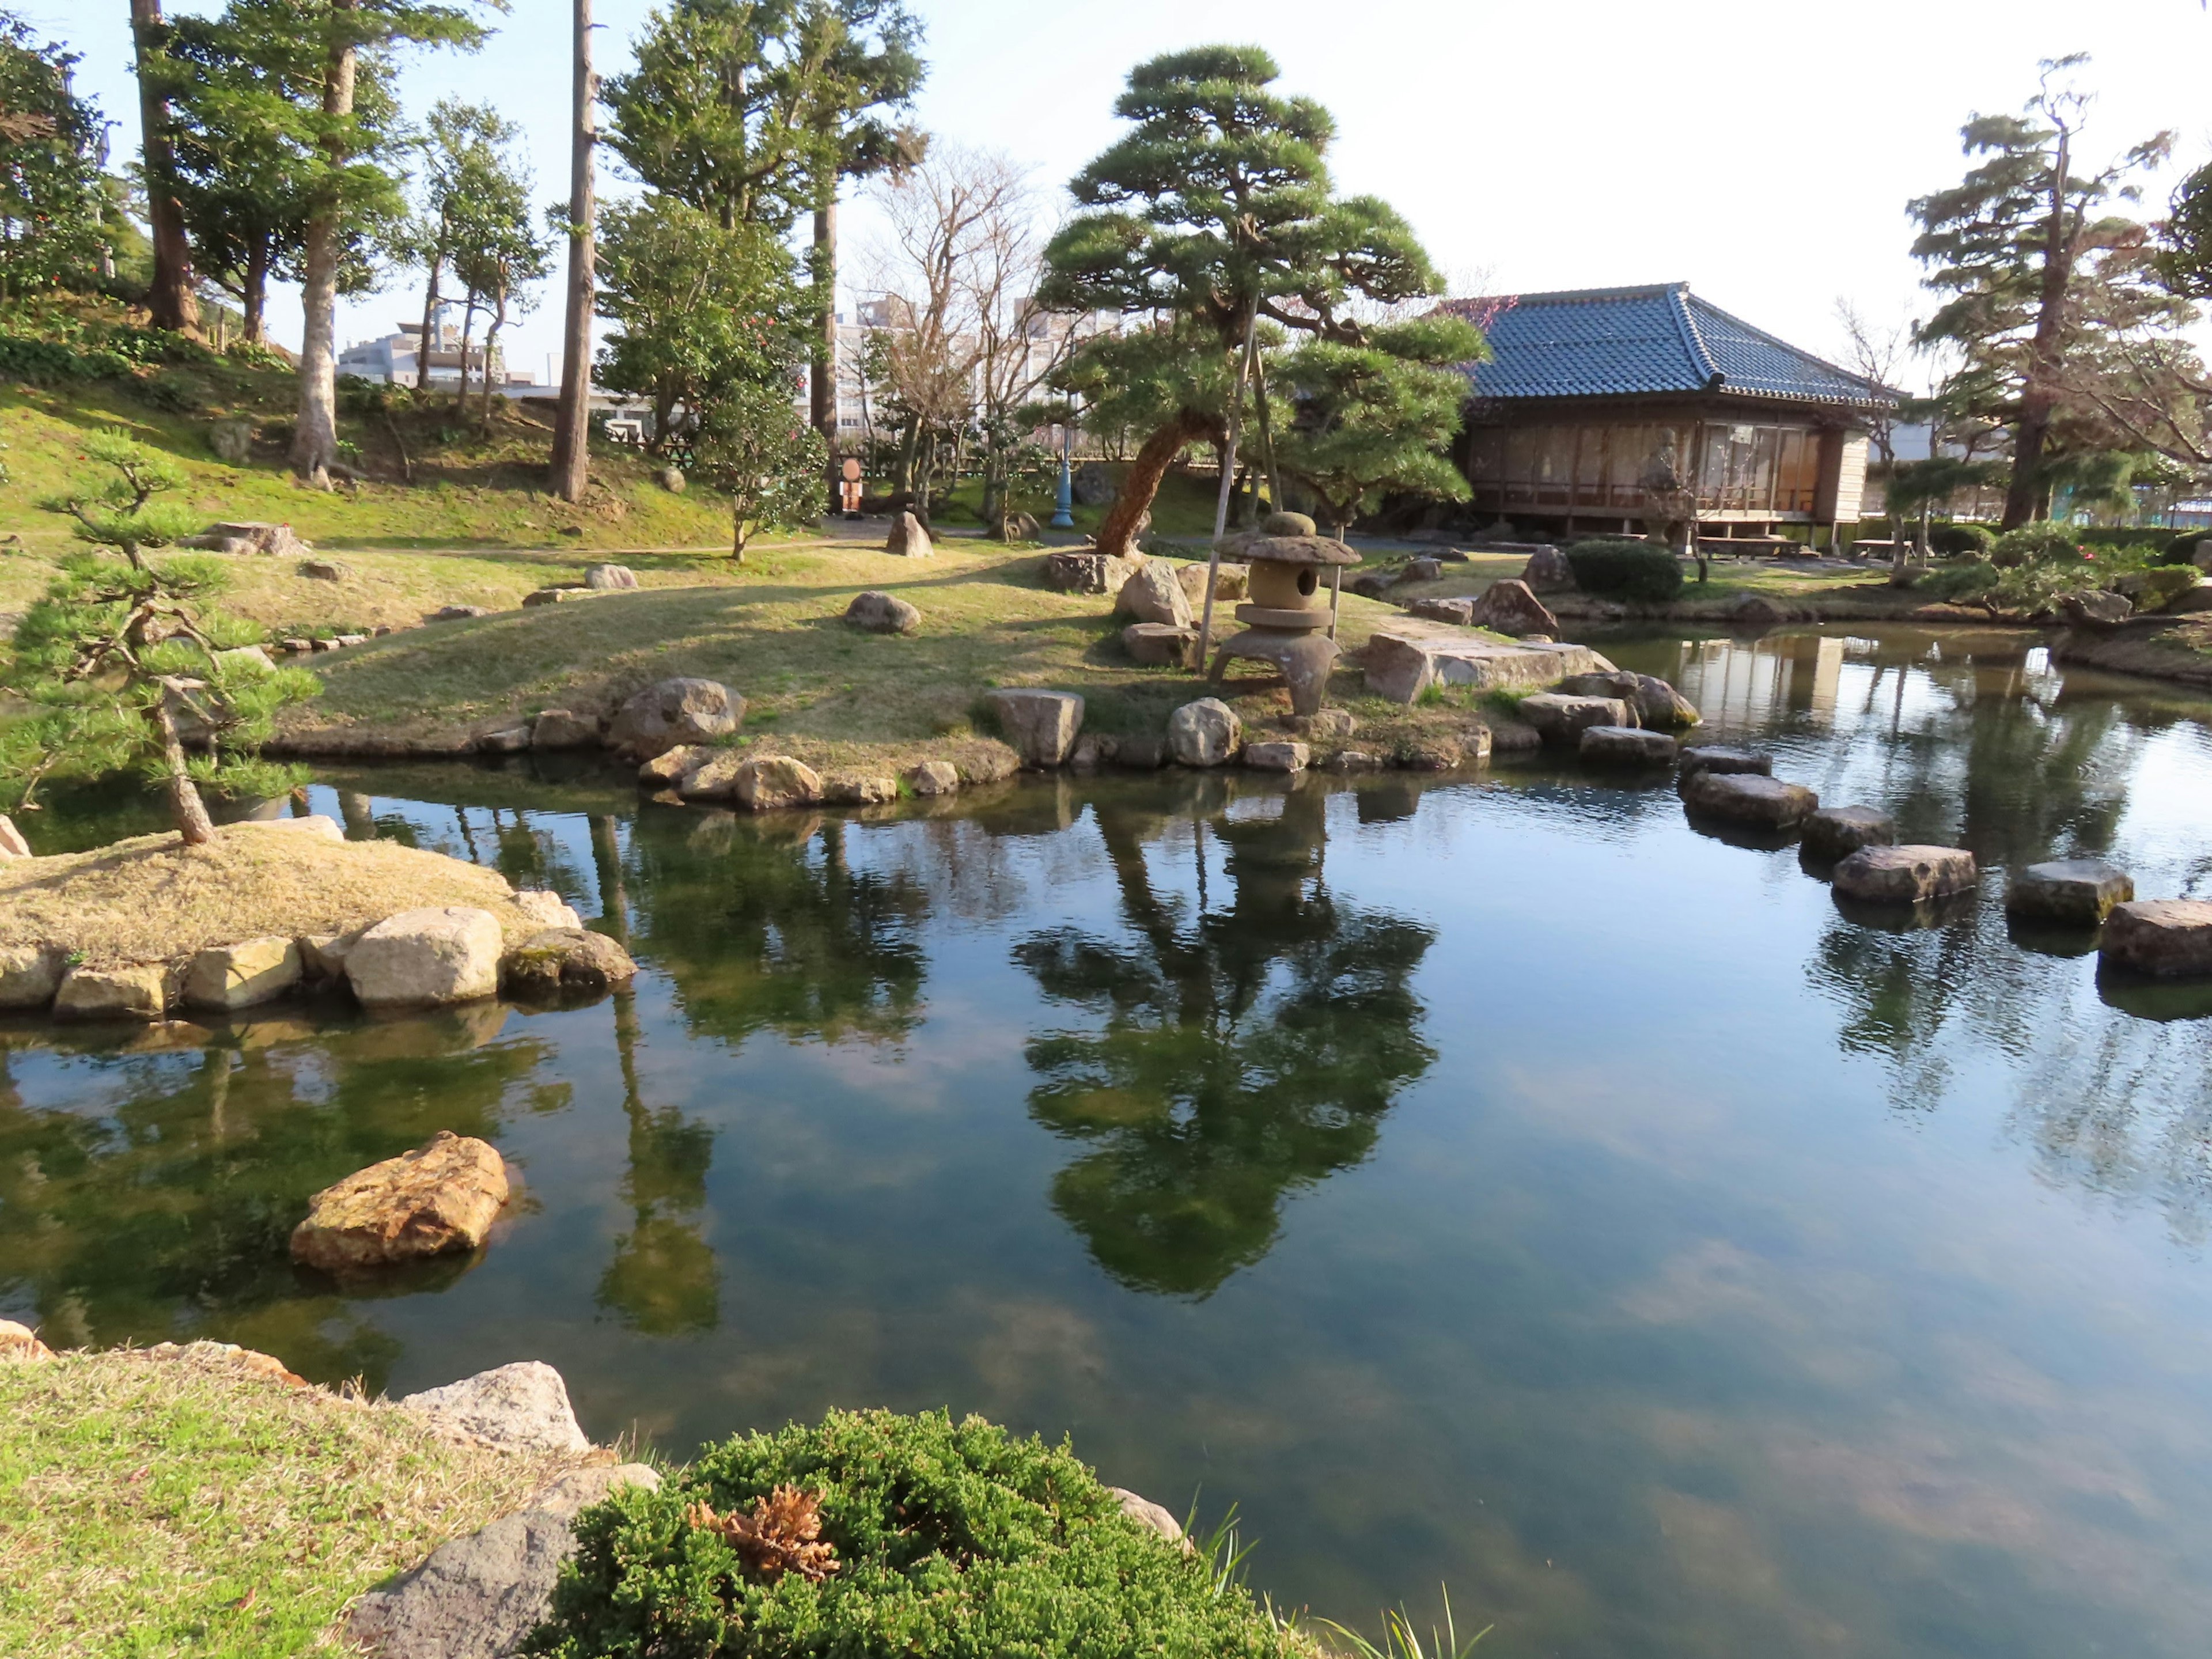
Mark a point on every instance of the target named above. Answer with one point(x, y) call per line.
point(2182, 549)
point(1958, 584)
point(1962, 541)
point(2161, 585)
point(1626, 570)
point(949, 1541)
point(2040, 543)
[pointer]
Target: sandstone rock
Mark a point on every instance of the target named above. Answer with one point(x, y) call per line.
point(859, 789)
point(560, 595)
point(1353, 760)
point(671, 479)
point(1458, 612)
point(441, 1196)
point(1230, 582)
point(1276, 757)
point(1089, 572)
point(1749, 797)
point(320, 825)
point(1905, 875)
point(1370, 585)
point(19, 1341)
point(1041, 726)
point(477, 1597)
point(2081, 892)
point(1330, 725)
point(1404, 659)
point(30, 974)
point(322, 955)
point(1161, 645)
point(1153, 595)
point(1836, 832)
point(1092, 751)
point(12, 844)
point(1145, 1513)
point(674, 765)
point(1548, 572)
point(907, 539)
point(1475, 745)
point(1563, 719)
point(1512, 737)
point(448, 953)
point(1660, 706)
point(878, 612)
point(518, 1407)
point(609, 578)
point(140, 991)
point(673, 712)
point(1720, 758)
point(2095, 609)
point(1016, 527)
point(563, 728)
point(1757, 610)
point(564, 961)
point(766, 782)
point(932, 777)
point(456, 613)
point(240, 975)
point(1508, 607)
point(506, 740)
point(229, 1355)
point(547, 908)
point(1627, 746)
point(261, 537)
point(715, 778)
point(1422, 570)
point(232, 441)
point(1144, 752)
point(1204, 733)
point(2169, 939)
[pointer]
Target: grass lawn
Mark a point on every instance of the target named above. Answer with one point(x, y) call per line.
point(816, 686)
point(156, 1505)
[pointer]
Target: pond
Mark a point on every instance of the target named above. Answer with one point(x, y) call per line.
point(1488, 1181)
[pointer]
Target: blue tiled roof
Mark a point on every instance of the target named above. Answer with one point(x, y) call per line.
point(1618, 342)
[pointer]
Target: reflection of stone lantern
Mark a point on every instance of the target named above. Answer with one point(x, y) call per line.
point(1290, 618)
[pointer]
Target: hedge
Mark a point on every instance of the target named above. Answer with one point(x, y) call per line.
point(1627, 570)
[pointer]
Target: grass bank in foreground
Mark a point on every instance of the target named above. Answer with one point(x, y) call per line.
point(156, 1504)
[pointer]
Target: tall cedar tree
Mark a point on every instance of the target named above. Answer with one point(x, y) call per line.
point(170, 296)
point(2040, 279)
point(342, 187)
point(54, 205)
point(1215, 207)
point(124, 662)
point(247, 87)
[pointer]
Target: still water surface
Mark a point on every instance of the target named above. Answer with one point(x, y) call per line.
point(1491, 1181)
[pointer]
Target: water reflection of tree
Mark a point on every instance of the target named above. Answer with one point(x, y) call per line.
point(663, 1279)
point(765, 925)
point(166, 1212)
point(1244, 1052)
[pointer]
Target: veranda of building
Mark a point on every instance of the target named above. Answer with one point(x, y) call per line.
point(1586, 389)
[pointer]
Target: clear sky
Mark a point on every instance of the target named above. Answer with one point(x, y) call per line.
point(1762, 151)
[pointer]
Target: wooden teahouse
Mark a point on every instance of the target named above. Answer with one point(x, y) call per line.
point(1585, 390)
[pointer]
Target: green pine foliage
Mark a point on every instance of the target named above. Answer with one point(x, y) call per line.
point(123, 661)
point(952, 1540)
point(2039, 542)
point(1626, 570)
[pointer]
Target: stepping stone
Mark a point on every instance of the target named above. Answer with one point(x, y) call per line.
point(2079, 890)
point(1836, 832)
point(1563, 719)
point(1749, 797)
point(2169, 939)
point(1905, 875)
point(1718, 758)
point(1627, 746)
point(1276, 757)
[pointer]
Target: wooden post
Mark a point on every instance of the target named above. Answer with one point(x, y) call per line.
point(1221, 501)
point(1335, 595)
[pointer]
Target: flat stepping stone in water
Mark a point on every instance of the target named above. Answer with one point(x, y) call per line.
point(1719, 757)
point(1627, 746)
point(1562, 719)
point(2082, 891)
point(1836, 832)
point(1276, 757)
point(2170, 939)
point(1905, 875)
point(1749, 797)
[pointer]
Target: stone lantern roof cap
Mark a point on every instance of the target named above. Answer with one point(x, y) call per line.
point(1290, 549)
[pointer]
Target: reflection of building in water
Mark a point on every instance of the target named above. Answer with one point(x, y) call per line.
point(1752, 681)
point(1237, 1052)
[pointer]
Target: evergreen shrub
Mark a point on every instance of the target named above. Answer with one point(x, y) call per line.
point(1963, 541)
point(2040, 543)
point(945, 1541)
point(1625, 569)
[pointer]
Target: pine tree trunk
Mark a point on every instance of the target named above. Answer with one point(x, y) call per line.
point(429, 314)
point(255, 299)
point(1117, 533)
point(822, 398)
point(171, 297)
point(572, 423)
point(491, 344)
point(2025, 492)
point(315, 433)
point(186, 805)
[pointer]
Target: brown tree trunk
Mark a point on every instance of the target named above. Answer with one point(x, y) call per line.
point(572, 422)
point(315, 434)
point(1118, 532)
point(822, 398)
point(186, 805)
point(491, 343)
point(2024, 492)
point(255, 299)
point(429, 314)
point(170, 299)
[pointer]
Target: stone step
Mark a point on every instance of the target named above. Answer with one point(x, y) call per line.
point(1905, 875)
point(2081, 891)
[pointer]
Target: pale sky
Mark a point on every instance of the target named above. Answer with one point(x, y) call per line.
point(1762, 152)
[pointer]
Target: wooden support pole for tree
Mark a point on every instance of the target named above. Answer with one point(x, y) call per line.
point(1221, 501)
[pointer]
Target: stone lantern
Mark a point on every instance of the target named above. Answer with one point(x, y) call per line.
point(1290, 616)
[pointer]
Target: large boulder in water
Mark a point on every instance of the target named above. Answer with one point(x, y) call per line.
point(419, 958)
point(441, 1196)
point(1749, 797)
point(2170, 938)
point(1207, 732)
point(1041, 726)
point(1905, 875)
point(2079, 892)
point(673, 712)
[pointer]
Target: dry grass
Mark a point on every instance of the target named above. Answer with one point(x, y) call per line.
point(153, 898)
point(182, 1504)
